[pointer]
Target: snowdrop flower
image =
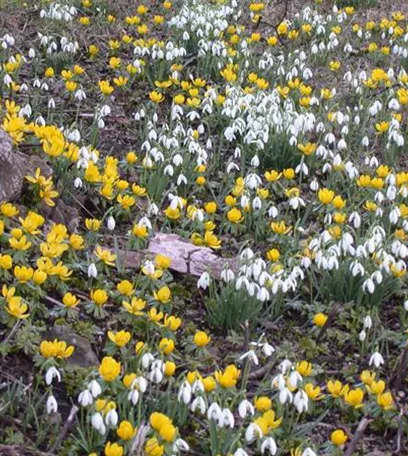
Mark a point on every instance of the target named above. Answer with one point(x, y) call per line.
point(251, 355)
point(185, 393)
point(362, 335)
point(198, 404)
point(270, 445)
point(245, 407)
point(253, 431)
point(50, 374)
point(368, 322)
point(92, 271)
point(376, 359)
point(85, 398)
point(240, 452)
point(52, 405)
point(111, 418)
point(97, 421)
point(133, 396)
point(204, 281)
point(110, 223)
point(308, 452)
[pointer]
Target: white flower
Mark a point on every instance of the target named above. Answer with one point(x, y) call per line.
point(180, 445)
point(185, 393)
point(204, 281)
point(308, 452)
point(51, 373)
point(52, 405)
point(92, 271)
point(240, 452)
point(198, 404)
point(376, 359)
point(362, 336)
point(270, 445)
point(97, 421)
point(368, 322)
point(85, 398)
point(133, 396)
point(252, 431)
point(214, 412)
point(111, 418)
point(110, 223)
point(244, 408)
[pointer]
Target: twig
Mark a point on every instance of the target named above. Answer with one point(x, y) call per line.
point(400, 431)
point(137, 446)
point(401, 369)
point(329, 321)
point(65, 429)
point(357, 435)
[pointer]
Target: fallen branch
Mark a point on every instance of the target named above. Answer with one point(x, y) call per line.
point(65, 429)
point(357, 436)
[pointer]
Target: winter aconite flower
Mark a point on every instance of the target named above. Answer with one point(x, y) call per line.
point(338, 437)
point(109, 369)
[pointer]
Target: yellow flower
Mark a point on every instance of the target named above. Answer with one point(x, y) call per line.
point(49, 72)
point(304, 368)
point(16, 308)
point(92, 224)
point(105, 255)
point(23, 274)
point(168, 432)
point(153, 448)
point(338, 437)
point(376, 387)
point(39, 277)
point(162, 261)
point(385, 400)
point(125, 430)
point(120, 339)
point(334, 65)
point(234, 215)
point(70, 300)
point(109, 369)
point(273, 255)
point(229, 377)
point(163, 295)
point(263, 403)
point(210, 207)
point(166, 346)
point(307, 149)
point(336, 388)
point(354, 398)
point(32, 222)
point(325, 196)
point(320, 319)
point(169, 368)
point(211, 240)
point(8, 210)
point(209, 383)
point(113, 449)
point(201, 339)
point(125, 288)
point(140, 231)
point(55, 349)
point(282, 28)
point(6, 262)
point(154, 315)
point(105, 87)
point(173, 214)
point(173, 323)
point(280, 227)
point(313, 392)
point(20, 242)
point(135, 307)
point(99, 297)
point(382, 127)
point(156, 97)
